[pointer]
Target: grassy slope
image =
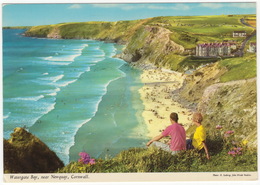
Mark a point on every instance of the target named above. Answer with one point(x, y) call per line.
point(239, 68)
point(187, 31)
point(190, 30)
point(154, 160)
point(114, 31)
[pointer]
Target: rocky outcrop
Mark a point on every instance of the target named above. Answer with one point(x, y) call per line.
point(25, 153)
point(195, 84)
point(54, 33)
point(151, 44)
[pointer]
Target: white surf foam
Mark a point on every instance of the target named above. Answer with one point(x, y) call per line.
point(66, 83)
point(57, 78)
point(59, 59)
point(29, 98)
point(52, 78)
point(7, 115)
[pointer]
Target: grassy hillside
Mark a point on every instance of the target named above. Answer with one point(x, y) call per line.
point(155, 160)
point(186, 30)
point(239, 68)
point(190, 30)
point(120, 31)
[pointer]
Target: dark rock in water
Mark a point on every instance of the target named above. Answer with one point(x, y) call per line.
point(25, 153)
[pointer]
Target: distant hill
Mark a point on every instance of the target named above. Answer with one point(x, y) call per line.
point(17, 27)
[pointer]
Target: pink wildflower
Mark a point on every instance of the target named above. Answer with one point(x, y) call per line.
point(219, 127)
point(229, 132)
point(85, 158)
point(92, 161)
point(233, 153)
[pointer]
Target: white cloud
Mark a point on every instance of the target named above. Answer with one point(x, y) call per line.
point(75, 6)
point(212, 5)
point(121, 6)
point(243, 5)
point(140, 6)
point(220, 5)
point(176, 7)
point(105, 5)
point(180, 7)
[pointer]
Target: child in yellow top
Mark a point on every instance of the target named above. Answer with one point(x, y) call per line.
point(199, 138)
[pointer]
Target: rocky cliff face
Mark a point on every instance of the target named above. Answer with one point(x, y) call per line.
point(25, 153)
point(54, 34)
point(151, 44)
point(195, 84)
point(232, 105)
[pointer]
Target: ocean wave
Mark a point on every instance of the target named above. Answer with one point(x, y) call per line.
point(57, 78)
point(49, 92)
point(66, 58)
point(113, 52)
point(60, 58)
point(58, 63)
point(30, 98)
point(52, 78)
point(78, 124)
point(66, 83)
point(52, 94)
point(7, 115)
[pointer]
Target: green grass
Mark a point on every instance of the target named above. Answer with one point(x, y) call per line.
point(155, 160)
point(239, 68)
point(190, 30)
point(193, 62)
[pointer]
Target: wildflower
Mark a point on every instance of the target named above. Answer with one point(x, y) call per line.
point(238, 150)
point(219, 127)
point(233, 153)
point(244, 142)
point(92, 161)
point(85, 158)
point(230, 132)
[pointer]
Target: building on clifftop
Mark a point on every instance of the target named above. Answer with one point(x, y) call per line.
point(214, 49)
point(239, 34)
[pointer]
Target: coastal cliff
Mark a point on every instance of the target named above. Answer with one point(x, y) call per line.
point(233, 106)
point(25, 153)
point(152, 44)
point(224, 98)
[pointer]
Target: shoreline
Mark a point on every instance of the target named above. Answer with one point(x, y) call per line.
point(158, 101)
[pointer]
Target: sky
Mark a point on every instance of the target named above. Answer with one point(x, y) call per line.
point(31, 14)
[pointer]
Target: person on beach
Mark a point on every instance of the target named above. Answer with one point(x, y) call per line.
point(199, 138)
point(177, 134)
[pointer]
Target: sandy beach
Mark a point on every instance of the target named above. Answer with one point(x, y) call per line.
point(156, 95)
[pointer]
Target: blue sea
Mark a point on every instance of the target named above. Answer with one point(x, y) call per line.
point(71, 94)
